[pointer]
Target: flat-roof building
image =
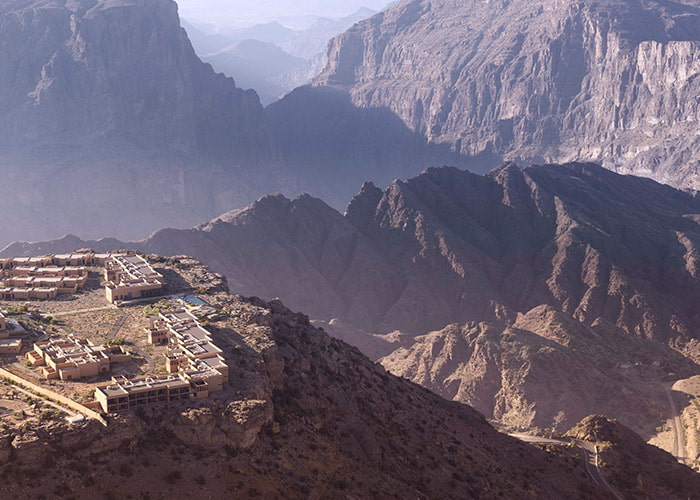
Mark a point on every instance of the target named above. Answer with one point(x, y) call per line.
point(51, 271)
point(27, 278)
point(131, 277)
point(10, 346)
point(62, 284)
point(191, 355)
point(72, 259)
point(68, 358)
point(124, 395)
point(128, 276)
point(28, 293)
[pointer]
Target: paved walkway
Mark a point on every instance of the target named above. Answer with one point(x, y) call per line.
point(53, 395)
point(81, 311)
point(113, 334)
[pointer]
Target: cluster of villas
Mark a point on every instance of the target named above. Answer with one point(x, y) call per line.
point(8, 344)
point(69, 358)
point(195, 365)
point(26, 278)
point(127, 276)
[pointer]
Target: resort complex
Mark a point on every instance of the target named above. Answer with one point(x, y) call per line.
point(172, 357)
point(44, 278)
point(195, 363)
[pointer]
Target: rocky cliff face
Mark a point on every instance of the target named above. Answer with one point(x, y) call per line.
point(612, 82)
point(547, 370)
point(450, 247)
point(613, 259)
point(109, 120)
point(73, 72)
point(333, 145)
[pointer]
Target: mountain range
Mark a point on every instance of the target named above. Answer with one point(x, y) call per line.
point(271, 58)
point(107, 113)
point(539, 292)
point(537, 295)
point(107, 99)
point(612, 82)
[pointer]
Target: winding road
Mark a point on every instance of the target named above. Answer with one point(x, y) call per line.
point(678, 434)
point(589, 454)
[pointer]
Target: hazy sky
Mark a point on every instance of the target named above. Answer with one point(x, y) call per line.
point(248, 12)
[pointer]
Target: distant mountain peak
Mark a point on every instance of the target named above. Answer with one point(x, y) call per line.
point(363, 205)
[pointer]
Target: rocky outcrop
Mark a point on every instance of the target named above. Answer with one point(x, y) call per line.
point(610, 82)
point(451, 247)
point(331, 423)
point(546, 370)
point(632, 467)
point(613, 260)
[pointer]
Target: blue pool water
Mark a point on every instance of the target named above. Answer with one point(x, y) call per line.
point(194, 300)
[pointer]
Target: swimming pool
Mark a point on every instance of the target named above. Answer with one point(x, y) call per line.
point(193, 300)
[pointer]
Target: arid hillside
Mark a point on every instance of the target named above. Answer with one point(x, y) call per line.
point(538, 295)
point(302, 415)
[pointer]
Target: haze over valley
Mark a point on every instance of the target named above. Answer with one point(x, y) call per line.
point(405, 229)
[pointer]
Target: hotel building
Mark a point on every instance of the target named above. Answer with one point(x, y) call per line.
point(131, 277)
point(68, 358)
point(123, 394)
point(192, 359)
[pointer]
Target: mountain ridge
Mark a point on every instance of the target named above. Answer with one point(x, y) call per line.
point(585, 81)
point(527, 271)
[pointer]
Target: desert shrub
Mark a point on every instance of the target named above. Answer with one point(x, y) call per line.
point(173, 476)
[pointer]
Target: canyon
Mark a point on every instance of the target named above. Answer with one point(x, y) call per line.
point(537, 295)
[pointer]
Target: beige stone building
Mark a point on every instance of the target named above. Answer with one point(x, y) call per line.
point(124, 395)
point(193, 355)
point(74, 259)
point(68, 358)
point(131, 277)
point(29, 278)
point(8, 345)
point(195, 363)
point(51, 271)
point(62, 284)
point(128, 276)
point(28, 293)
